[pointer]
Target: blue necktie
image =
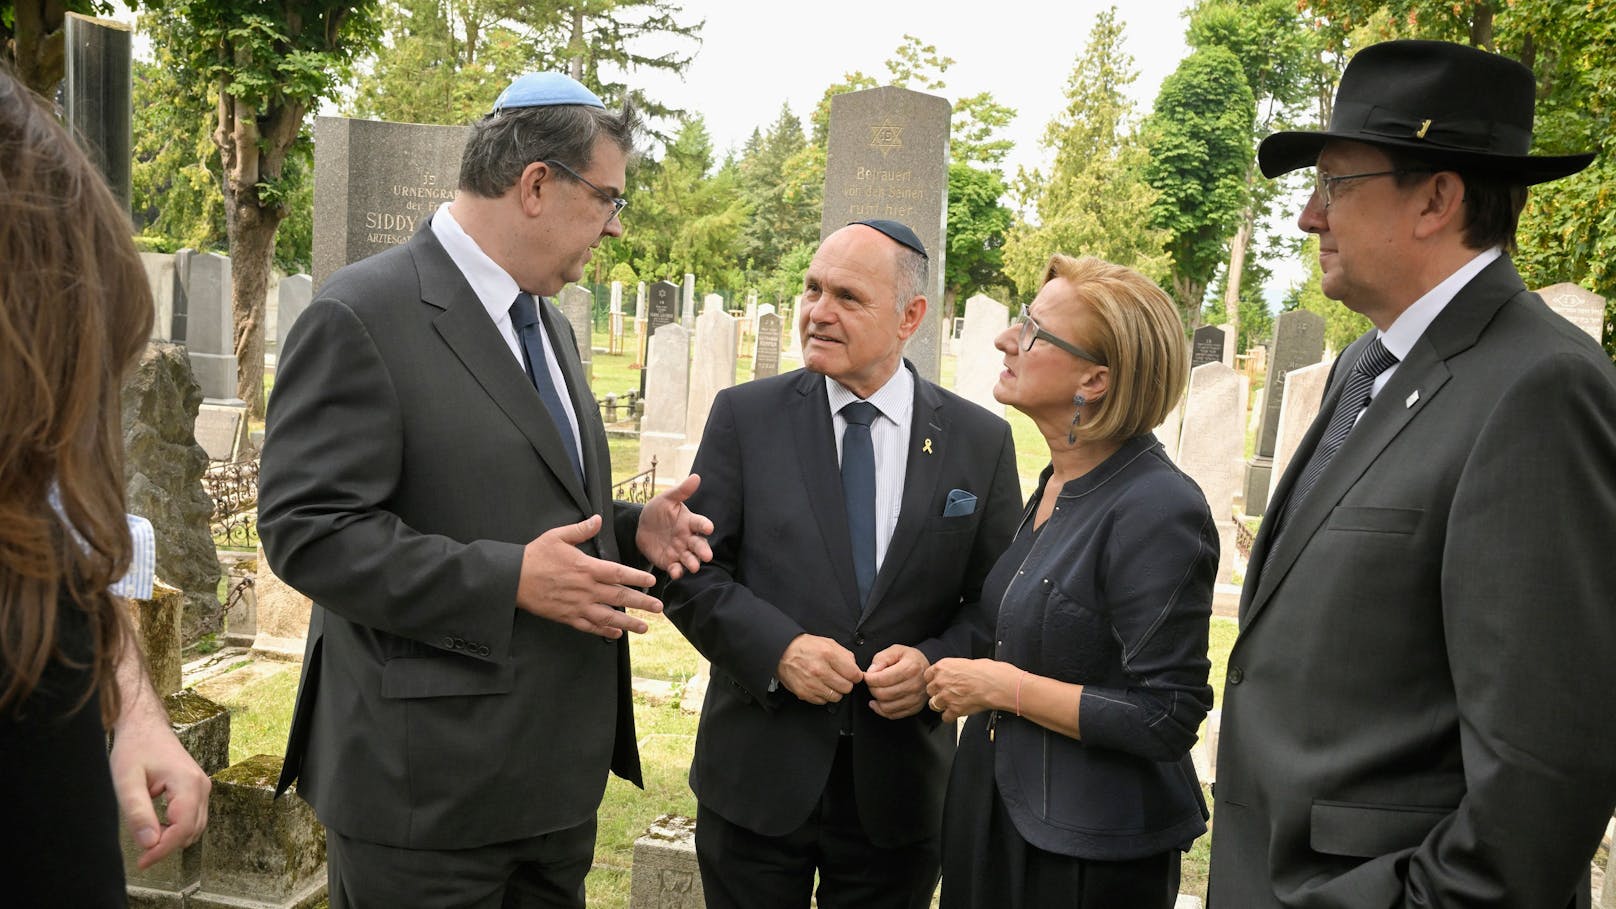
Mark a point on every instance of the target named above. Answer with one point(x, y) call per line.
point(525, 316)
point(1353, 401)
point(858, 491)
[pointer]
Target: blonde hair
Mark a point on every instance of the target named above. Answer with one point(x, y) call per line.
point(1133, 325)
point(75, 312)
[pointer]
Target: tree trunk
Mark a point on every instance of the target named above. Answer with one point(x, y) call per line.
point(1481, 27)
point(1237, 267)
point(41, 44)
point(1190, 294)
point(575, 45)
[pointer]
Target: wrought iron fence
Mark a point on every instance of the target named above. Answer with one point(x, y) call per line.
point(639, 488)
point(233, 487)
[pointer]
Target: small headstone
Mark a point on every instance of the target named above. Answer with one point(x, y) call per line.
point(209, 322)
point(665, 874)
point(578, 305)
point(712, 303)
point(1304, 391)
point(886, 156)
point(687, 300)
point(1167, 432)
point(293, 296)
point(662, 309)
point(1582, 308)
point(219, 430)
point(1209, 448)
point(1229, 338)
point(160, 277)
point(282, 615)
point(374, 182)
point(712, 370)
point(667, 394)
point(979, 362)
point(260, 851)
point(157, 630)
point(1298, 342)
point(202, 726)
point(766, 361)
point(1207, 346)
point(639, 303)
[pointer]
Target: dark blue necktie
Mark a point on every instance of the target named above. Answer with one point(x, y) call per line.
point(1353, 401)
point(525, 316)
point(858, 491)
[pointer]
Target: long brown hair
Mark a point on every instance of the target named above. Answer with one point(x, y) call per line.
point(75, 312)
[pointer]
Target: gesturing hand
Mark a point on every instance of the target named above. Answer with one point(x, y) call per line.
point(671, 536)
point(817, 670)
point(560, 583)
point(897, 680)
point(147, 762)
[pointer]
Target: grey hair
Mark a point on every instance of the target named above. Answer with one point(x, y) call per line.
point(911, 277)
point(505, 142)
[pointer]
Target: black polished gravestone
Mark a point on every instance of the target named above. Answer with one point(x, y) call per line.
point(1207, 346)
point(662, 309)
point(96, 95)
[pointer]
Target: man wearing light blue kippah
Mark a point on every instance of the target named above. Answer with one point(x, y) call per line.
point(435, 477)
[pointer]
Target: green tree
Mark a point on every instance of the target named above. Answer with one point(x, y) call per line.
point(1199, 136)
point(174, 173)
point(977, 225)
point(33, 38)
point(783, 192)
point(1094, 200)
point(593, 37)
point(444, 61)
point(267, 66)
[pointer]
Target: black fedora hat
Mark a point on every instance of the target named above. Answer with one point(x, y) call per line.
point(1450, 104)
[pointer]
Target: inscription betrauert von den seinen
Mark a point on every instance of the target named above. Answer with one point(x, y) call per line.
point(878, 192)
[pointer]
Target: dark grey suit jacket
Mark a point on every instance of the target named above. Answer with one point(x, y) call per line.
point(407, 462)
point(1416, 711)
point(783, 566)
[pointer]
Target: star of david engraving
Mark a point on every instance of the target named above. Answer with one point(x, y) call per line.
point(886, 137)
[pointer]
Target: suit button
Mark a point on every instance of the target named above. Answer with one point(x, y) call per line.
point(1235, 675)
point(858, 640)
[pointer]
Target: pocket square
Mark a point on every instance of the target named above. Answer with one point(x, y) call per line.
point(960, 503)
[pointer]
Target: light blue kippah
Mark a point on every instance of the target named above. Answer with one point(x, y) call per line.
point(545, 90)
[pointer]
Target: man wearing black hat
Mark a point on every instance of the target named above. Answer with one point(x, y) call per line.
point(857, 508)
point(435, 477)
point(1416, 711)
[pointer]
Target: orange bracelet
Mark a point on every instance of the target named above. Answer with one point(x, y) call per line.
point(1019, 680)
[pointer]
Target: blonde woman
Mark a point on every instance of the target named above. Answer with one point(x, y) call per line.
point(1073, 784)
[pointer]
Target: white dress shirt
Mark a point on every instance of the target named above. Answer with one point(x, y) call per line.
point(889, 435)
point(497, 290)
point(1413, 321)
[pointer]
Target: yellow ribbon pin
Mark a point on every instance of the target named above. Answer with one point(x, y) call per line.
point(926, 447)
point(1424, 125)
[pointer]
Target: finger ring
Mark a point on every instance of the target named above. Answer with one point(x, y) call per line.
point(934, 705)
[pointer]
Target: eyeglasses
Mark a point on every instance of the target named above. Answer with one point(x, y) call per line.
point(1031, 331)
point(618, 202)
point(1325, 184)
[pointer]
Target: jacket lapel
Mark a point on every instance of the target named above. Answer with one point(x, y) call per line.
point(928, 427)
point(466, 329)
point(1396, 406)
point(564, 344)
point(815, 438)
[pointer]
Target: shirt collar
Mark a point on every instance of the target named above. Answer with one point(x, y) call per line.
point(1411, 324)
point(894, 399)
point(493, 285)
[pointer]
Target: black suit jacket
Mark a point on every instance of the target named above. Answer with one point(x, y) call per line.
point(782, 566)
point(407, 462)
point(1416, 709)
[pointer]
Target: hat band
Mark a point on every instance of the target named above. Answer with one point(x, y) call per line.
point(1486, 136)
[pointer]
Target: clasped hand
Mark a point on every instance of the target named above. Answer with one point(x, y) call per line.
point(818, 670)
point(959, 688)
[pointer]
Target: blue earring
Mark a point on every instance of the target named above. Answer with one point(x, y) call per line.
point(1077, 416)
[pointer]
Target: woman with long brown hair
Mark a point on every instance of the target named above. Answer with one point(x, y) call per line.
point(75, 312)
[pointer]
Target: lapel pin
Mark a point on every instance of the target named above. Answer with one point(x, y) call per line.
point(926, 447)
point(1412, 399)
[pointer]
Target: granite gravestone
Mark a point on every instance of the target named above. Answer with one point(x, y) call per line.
point(887, 157)
point(578, 306)
point(712, 370)
point(96, 95)
point(203, 280)
point(667, 383)
point(160, 278)
point(662, 309)
point(1582, 308)
point(375, 182)
point(221, 430)
point(1207, 346)
point(1304, 392)
point(979, 362)
point(1209, 449)
point(293, 296)
point(766, 359)
point(1298, 342)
